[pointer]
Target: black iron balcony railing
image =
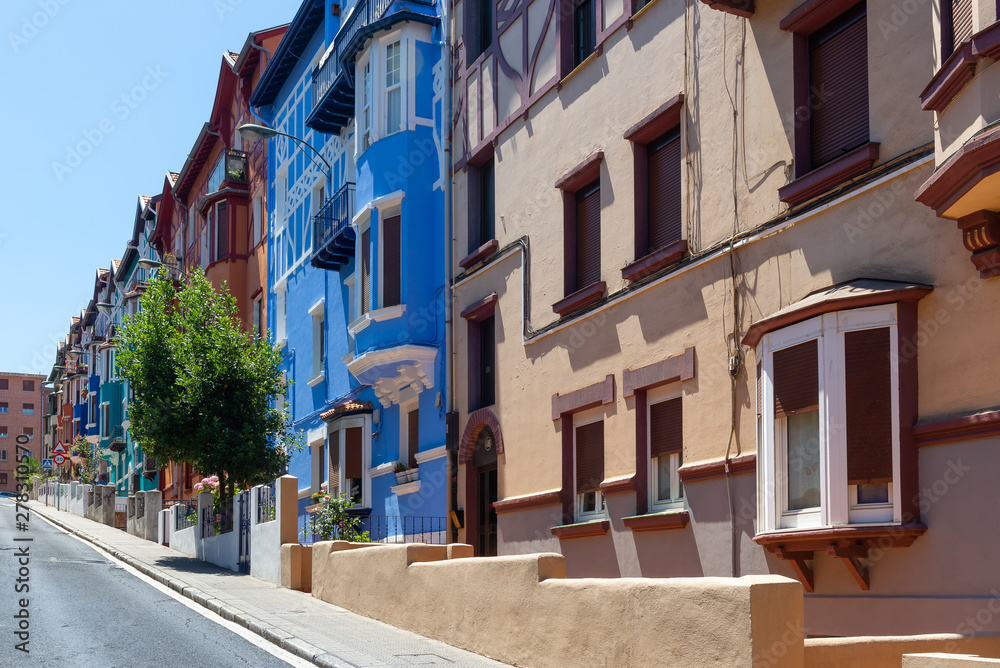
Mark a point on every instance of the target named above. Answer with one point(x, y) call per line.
point(231, 166)
point(333, 236)
point(117, 437)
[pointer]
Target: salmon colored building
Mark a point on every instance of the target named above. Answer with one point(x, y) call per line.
point(703, 328)
point(22, 409)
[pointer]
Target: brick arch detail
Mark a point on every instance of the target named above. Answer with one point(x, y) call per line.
point(484, 417)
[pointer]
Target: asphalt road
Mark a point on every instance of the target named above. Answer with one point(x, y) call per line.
point(85, 610)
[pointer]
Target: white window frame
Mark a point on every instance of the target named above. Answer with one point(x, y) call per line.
point(105, 418)
point(836, 496)
point(580, 420)
point(318, 313)
point(281, 199)
point(677, 499)
point(367, 103)
point(338, 429)
point(317, 463)
point(280, 313)
point(258, 220)
point(351, 306)
point(385, 43)
point(362, 225)
point(3, 455)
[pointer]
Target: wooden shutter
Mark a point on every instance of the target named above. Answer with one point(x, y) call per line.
point(588, 235)
point(353, 445)
point(487, 362)
point(838, 66)
point(868, 372)
point(589, 457)
point(664, 158)
point(366, 270)
point(334, 478)
point(413, 435)
point(487, 198)
point(666, 433)
point(760, 395)
point(391, 272)
point(221, 232)
point(796, 379)
point(961, 22)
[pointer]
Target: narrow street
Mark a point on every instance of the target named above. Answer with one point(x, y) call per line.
point(86, 610)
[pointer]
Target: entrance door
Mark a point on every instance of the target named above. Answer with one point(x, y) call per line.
point(484, 460)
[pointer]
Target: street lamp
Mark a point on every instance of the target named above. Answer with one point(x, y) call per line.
point(146, 263)
point(255, 133)
point(105, 308)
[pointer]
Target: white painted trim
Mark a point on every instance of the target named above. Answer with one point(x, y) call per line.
point(359, 324)
point(394, 198)
point(382, 469)
point(318, 307)
point(387, 313)
point(406, 488)
point(314, 436)
point(346, 359)
point(317, 379)
point(432, 454)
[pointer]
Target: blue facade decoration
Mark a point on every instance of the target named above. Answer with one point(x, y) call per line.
point(356, 266)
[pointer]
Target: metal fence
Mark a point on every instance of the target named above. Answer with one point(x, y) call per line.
point(187, 515)
point(266, 506)
point(218, 519)
point(383, 529)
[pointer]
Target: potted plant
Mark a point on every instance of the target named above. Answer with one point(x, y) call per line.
point(404, 473)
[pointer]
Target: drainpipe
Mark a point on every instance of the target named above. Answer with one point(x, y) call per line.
point(452, 488)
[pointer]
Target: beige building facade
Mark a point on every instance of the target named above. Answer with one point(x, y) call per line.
point(709, 330)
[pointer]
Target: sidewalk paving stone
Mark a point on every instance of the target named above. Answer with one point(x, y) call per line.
point(320, 632)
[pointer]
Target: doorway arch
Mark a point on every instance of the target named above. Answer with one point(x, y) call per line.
point(482, 443)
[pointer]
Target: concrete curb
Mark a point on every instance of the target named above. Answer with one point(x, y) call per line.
point(276, 636)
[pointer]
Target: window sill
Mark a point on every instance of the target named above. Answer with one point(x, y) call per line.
point(848, 543)
point(480, 254)
point(582, 529)
point(955, 73)
point(317, 379)
point(378, 315)
point(660, 521)
point(820, 180)
point(580, 298)
point(655, 261)
point(406, 488)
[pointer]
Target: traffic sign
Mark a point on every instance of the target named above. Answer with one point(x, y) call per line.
point(59, 459)
point(47, 464)
point(60, 449)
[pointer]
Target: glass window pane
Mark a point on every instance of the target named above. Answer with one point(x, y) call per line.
point(588, 502)
point(663, 478)
point(392, 101)
point(803, 460)
point(873, 493)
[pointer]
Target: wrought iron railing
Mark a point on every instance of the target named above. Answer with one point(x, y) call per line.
point(186, 515)
point(266, 506)
point(334, 216)
point(218, 519)
point(384, 529)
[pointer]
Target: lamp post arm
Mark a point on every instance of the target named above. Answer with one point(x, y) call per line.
point(329, 169)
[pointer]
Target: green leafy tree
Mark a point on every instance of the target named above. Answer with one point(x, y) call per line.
point(204, 389)
point(32, 468)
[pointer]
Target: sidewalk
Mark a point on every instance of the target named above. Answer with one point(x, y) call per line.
point(327, 635)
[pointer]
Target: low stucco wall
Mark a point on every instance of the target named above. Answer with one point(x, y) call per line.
point(938, 660)
point(888, 651)
point(267, 537)
point(186, 540)
point(522, 610)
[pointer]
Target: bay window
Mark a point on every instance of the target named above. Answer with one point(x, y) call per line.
point(828, 421)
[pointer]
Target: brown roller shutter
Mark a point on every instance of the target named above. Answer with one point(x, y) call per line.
point(391, 272)
point(588, 235)
point(366, 270)
point(666, 433)
point(796, 379)
point(664, 191)
point(838, 67)
point(413, 435)
point(334, 477)
point(589, 457)
point(353, 449)
point(961, 22)
point(868, 374)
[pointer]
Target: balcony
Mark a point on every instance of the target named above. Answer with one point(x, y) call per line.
point(333, 80)
point(230, 167)
point(117, 439)
point(333, 235)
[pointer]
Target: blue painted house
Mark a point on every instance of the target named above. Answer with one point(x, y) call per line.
point(356, 256)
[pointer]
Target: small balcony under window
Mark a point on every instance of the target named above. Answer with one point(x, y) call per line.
point(231, 166)
point(333, 235)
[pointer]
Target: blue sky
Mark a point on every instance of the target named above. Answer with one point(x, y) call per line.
point(129, 83)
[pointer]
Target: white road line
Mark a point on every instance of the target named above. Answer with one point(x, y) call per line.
point(249, 636)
